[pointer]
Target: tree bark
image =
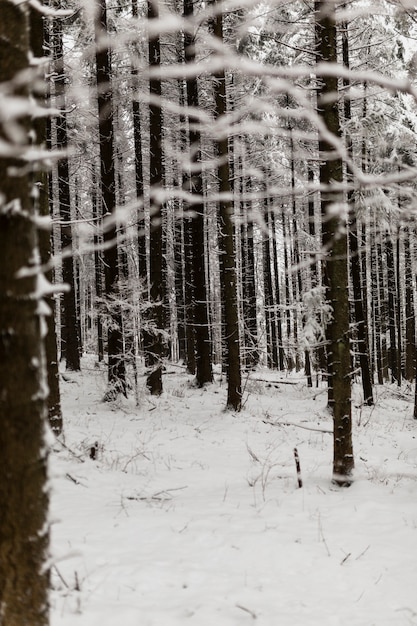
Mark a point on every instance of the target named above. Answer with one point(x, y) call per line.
point(24, 497)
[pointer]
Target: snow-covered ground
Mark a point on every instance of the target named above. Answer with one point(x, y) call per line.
point(192, 515)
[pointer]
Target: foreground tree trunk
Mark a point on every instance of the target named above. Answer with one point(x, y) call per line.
point(24, 531)
point(334, 242)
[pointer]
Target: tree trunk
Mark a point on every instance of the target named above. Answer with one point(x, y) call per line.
point(42, 131)
point(71, 328)
point(194, 183)
point(226, 243)
point(287, 290)
point(137, 137)
point(398, 311)
point(115, 349)
point(24, 495)
point(248, 280)
point(334, 241)
point(392, 292)
point(98, 268)
point(360, 317)
point(153, 341)
point(410, 330)
point(277, 319)
point(271, 338)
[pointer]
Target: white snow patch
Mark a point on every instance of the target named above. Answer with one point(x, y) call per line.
point(192, 515)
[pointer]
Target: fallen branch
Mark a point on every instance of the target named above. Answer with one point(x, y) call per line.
point(160, 496)
point(277, 382)
point(317, 430)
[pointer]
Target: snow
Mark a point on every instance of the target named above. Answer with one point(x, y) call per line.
point(189, 514)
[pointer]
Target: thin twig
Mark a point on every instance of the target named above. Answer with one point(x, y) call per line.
point(252, 454)
point(74, 480)
point(362, 553)
point(243, 608)
point(61, 576)
point(79, 458)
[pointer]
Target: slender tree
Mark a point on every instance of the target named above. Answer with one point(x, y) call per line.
point(24, 529)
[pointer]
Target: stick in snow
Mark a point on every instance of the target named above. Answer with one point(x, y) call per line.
point(298, 468)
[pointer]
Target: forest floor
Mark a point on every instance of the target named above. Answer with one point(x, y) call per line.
point(192, 515)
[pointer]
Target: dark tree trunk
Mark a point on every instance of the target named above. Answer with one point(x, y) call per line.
point(179, 261)
point(226, 244)
point(410, 330)
point(361, 323)
point(42, 132)
point(115, 349)
point(271, 338)
point(334, 241)
point(297, 284)
point(248, 280)
point(137, 137)
point(360, 316)
point(383, 307)
point(98, 268)
point(392, 292)
point(203, 358)
point(277, 298)
point(398, 310)
point(287, 291)
point(153, 340)
point(71, 325)
point(24, 494)
point(189, 295)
